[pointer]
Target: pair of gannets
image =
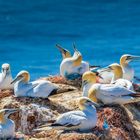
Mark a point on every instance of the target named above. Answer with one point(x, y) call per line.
point(72, 67)
point(84, 119)
point(128, 71)
point(38, 88)
point(7, 126)
point(5, 77)
point(107, 93)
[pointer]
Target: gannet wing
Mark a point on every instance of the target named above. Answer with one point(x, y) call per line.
point(115, 90)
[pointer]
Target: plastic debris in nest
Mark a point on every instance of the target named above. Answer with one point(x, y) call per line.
point(31, 116)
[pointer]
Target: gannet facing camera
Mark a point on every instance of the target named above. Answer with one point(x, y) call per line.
point(128, 71)
point(112, 94)
point(38, 88)
point(7, 126)
point(72, 67)
point(5, 77)
point(117, 78)
point(88, 79)
point(84, 119)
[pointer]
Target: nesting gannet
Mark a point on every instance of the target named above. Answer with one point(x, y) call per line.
point(7, 126)
point(117, 78)
point(38, 88)
point(84, 119)
point(72, 67)
point(128, 71)
point(5, 77)
point(88, 79)
point(112, 94)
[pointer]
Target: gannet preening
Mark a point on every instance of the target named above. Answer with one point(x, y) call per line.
point(38, 88)
point(112, 94)
point(7, 126)
point(72, 67)
point(128, 71)
point(5, 77)
point(117, 78)
point(84, 119)
point(88, 79)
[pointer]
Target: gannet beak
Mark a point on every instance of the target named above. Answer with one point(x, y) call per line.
point(62, 50)
point(95, 104)
point(10, 111)
point(16, 79)
point(108, 69)
point(98, 75)
point(75, 49)
point(133, 58)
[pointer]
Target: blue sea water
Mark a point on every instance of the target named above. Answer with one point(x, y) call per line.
point(102, 29)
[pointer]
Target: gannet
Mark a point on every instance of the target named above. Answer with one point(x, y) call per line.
point(117, 78)
point(128, 71)
point(7, 126)
point(84, 119)
point(88, 79)
point(38, 88)
point(72, 67)
point(5, 77)
point(112, 94)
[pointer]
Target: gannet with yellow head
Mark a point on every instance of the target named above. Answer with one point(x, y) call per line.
point(38, 88)
point(72, 67)
point(7, 126)
point(128, 71)
point(88, 79)
point(117, 78)
point(5, 77)
point(84, 119)
point(112, 94)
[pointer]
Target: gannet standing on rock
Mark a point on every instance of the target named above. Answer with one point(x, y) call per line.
point(117, 78)
point(112, 94)
point(7, 126)
point(5, 77)
point(72, 67)
point(38, 88)
point(128, 71)
point(84, 119)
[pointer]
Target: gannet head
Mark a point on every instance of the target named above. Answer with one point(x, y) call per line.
point(126, 58)
point(85, 102)
point(22, 76)
point(115, 68)
point(92, 93)
point(90, 77)
point(65, 53)
point(4, 114)
point(5, 69)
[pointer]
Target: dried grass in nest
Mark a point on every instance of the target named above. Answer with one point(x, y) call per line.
point(6, 93)
point(61, 80)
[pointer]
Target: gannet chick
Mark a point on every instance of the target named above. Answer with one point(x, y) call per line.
point(7, 126)
point(88, 79)
point(84, 119)
point(72, 67)
point(38, 88)
point(128, 71)
point(112, 94)
point(5, 77)
point(117, 78)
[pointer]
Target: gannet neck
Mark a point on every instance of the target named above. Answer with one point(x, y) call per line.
point(77, 60)
point(118, 73)
point(123, 61)
point(92, 94)
point(66, 55)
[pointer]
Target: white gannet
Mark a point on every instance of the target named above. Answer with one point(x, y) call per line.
point(5, 77)
point(117, 78)
point(128, 71)
point(38, 88)
point(112, 94)
point(72, 67)
point(84, 119)
point(7, 126)
point(88, 79)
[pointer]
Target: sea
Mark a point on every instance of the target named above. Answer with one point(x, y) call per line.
point(102, 30)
